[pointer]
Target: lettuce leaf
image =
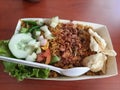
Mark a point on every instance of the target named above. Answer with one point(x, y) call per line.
point(4, 50)
point(17, 70)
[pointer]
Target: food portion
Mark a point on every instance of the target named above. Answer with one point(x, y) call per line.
point(71, 45)
point(59, 43)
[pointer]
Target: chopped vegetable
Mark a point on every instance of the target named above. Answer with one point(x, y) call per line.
point(34, 43)
point(30, 22)
point(54, 59)
point(42, 40)
point(37, 33)
point(48, 56)
point(46, 46)
point(31, 57)
point(23, 30)
point(34, 28)
point(54, 21)
point(40, 22)
point(42, 56)
point(47, 32)
point(38, 51)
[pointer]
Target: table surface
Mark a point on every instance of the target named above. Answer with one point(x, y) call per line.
point(99, 11)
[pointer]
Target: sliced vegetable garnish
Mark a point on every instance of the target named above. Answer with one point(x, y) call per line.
point(47, 32)
point(18, 45)
point(54, 21)
point(23, 30)
point(47, 54)
point(54, 59)
point(30, 22)
point(46, 46)
point(34, 28)
point(44, 56)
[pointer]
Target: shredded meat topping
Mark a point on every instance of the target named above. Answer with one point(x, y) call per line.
point(71, 43)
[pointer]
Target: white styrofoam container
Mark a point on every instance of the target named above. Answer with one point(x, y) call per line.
point(111, 69)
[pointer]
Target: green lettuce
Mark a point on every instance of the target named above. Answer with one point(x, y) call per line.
point(17, 70)
point(4, 50)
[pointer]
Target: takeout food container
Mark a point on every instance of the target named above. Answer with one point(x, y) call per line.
point(111, 66)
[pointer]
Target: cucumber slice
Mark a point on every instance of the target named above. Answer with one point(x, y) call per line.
point(54, 59)
point(18, 45)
